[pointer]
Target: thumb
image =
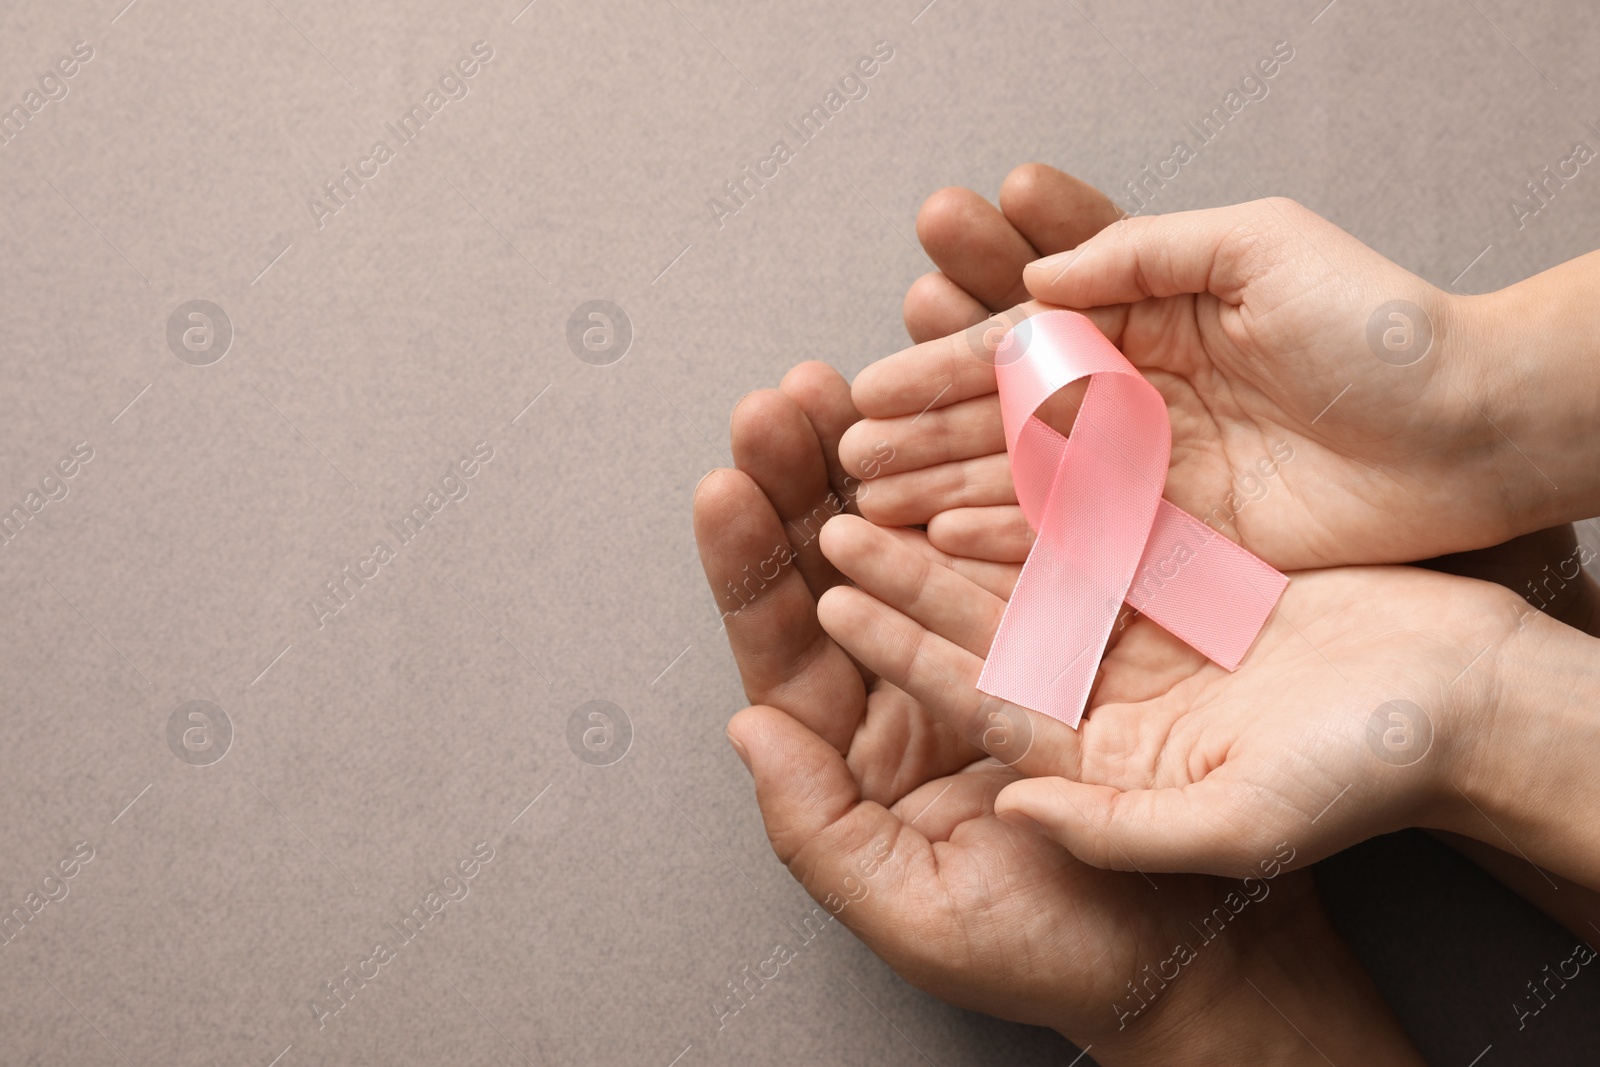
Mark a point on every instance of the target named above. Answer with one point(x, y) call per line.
point(853, 856)
point(1216, 251)
point(1201, 828)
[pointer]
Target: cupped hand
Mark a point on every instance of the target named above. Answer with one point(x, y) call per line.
point(1327, 406)
point(1366, 696)
point(982, 250)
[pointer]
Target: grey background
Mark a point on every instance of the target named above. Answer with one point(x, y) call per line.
point(424, 318)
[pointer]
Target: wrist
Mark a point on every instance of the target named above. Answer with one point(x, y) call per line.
point(1533, 372)
point(1525, 783)
point(1282, 990)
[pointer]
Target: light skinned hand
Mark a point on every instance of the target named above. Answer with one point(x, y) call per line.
point(981, 251)
point(1293, 431)
point(1181, 765)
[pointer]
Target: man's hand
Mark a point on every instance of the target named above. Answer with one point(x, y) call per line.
point(885, 814)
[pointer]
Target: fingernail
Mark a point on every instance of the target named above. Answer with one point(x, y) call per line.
point(1021, 821)
point(740, 751)
point(1060, 259)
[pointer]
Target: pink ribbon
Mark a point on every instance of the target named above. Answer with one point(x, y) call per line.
point(1105, 535)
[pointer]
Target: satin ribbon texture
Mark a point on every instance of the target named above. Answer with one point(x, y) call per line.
point(1105, 535)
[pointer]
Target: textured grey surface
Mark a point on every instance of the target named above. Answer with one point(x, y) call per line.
point(372, 352)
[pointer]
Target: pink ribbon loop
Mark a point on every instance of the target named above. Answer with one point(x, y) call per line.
point(1105, 535)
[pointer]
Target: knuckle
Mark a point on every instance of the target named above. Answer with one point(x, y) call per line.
point(918, 588)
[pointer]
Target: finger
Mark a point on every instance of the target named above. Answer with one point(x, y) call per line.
point(910, 442)
point(1136, 681)
point(965, 430)
point(900, 746)
point(996, 578)
point(1053, 210)
point(832, 841)
point(935, 373)
point(937, 808)
point(784, 657)
point(1204, 827)
point(895, 574)
point(916, 496)
point(1000, 533)
point(942, 677)
point(824, 396)
point(951, 369)
point(974, 246)
point(774, 443)
point(935, 306)
point(1212, 251)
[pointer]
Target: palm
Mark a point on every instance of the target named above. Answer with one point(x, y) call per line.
point(1258, 451)
point(973, 895)
point(1344, 643)
point(1308, 421)
point(1269, 324)
point(1264, 749)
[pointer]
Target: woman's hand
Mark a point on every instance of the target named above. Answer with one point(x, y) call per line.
point(1327, 406)
point(1374, 699)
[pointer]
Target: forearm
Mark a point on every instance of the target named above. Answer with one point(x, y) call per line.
point(1289, 991)
point(1525, 778)
point(1565, 901)
point(1533, 358)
